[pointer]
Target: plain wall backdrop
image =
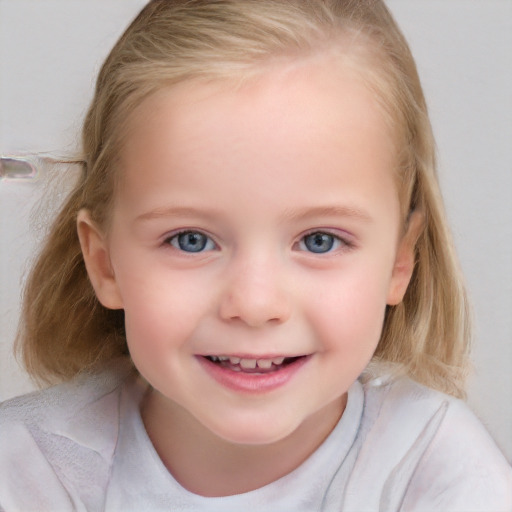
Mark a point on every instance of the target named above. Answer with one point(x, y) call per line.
point(50, 52)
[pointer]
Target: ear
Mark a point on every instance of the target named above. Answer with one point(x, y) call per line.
point(405, 259)
point(97, 261)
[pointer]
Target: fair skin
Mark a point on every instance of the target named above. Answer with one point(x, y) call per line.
point(252, 224)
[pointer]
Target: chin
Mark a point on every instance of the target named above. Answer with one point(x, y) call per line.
point(254, 432)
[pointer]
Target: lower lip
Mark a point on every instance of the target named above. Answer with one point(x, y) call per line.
point(252, 382)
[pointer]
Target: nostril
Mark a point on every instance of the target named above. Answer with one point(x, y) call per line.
point(255, 293)
point(255, 310)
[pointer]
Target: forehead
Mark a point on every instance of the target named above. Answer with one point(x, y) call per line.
point(327, 84)
point(287, 121)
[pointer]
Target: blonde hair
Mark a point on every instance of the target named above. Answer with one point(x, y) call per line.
point(64, 328)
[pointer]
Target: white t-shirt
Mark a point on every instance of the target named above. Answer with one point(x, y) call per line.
point(398, 446)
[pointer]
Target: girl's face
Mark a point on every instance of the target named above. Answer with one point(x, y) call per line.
point(254, 245)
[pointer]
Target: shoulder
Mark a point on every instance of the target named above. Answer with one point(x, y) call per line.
point(447, 460)
point(56, 438)
point(59, 408)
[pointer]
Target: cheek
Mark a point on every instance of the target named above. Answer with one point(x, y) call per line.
point(351, 312)
point(162, 309)
point(159, 324)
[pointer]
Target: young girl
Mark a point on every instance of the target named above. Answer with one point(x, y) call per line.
point(251, 298)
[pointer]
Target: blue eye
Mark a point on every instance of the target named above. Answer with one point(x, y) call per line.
point(192, 241)
point(319, 242)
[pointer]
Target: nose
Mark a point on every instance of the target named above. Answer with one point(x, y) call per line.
point(256, 294)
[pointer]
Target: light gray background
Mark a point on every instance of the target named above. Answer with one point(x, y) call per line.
point(50, 51)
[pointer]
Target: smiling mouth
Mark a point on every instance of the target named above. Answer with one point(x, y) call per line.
point(246, 365)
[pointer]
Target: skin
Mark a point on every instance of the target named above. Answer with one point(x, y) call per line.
point(256, 168)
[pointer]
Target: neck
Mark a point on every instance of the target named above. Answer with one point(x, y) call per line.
point(208, 465)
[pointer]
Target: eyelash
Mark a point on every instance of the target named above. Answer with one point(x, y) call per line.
point(206, 243)
point(209, 244)
point(337, 243)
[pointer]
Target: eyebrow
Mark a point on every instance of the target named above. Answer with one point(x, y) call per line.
point(175, 211)
point(328, 211)
point(289, 214)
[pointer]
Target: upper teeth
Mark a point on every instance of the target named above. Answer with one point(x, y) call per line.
point(250, 363)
